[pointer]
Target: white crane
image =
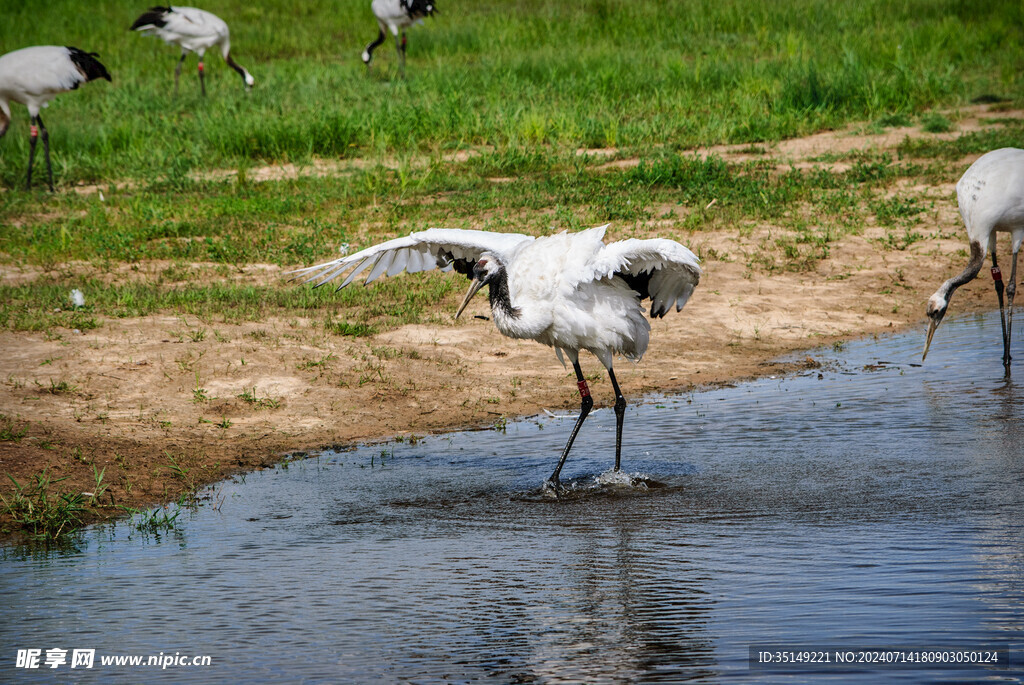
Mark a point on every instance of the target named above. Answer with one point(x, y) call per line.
point(396, 16)
point(193, 30)
point(34, 76)
point(570, 291)
point(991, 199)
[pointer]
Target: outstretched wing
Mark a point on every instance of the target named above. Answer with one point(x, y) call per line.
point(661, 269)
point(436, 247)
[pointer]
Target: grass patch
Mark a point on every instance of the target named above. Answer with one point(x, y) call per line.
point(1008, 134)
point(12, 430)
point(252, 399)
point(40, 514)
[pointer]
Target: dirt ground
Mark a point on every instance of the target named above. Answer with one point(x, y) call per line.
point(165, 403)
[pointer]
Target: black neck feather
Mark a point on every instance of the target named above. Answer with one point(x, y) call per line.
point(499, 295)
point(970, 271)
point(87, 64)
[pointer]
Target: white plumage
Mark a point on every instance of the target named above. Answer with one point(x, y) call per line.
point(570, 291)
point(193, 30)
point(396, 16)
point(991, 199)
point(34, 76)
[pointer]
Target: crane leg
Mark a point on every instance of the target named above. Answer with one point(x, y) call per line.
point(1011, 290)
point(586, 404)
point(620, 412)
point(46, 149)
point(177, 72)
point(368, 52)
point(33, 139)
point(997, 279)
point(401, 55)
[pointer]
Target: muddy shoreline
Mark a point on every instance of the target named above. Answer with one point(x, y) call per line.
point(166, 404)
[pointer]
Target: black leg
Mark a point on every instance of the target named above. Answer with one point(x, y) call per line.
point(1011, 290)
point(46, 149)
point(586, 404)
point(33, 139)
point(401, 55)
point(620, 412)
point(997, 279)
point(202, 80)
point(177, 71)
point(368, 52)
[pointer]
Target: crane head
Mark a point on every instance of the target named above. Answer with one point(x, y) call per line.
point(937, 305)
point(486, 268)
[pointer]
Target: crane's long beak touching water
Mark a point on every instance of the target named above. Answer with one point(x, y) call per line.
point(932, 325)
point(473, 288)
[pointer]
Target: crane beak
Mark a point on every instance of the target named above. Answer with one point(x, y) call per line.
point(473, 288)
point(932, 325)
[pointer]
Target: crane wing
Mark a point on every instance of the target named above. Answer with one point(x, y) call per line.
point(661, 269)
point(195, 23)
point(436, 247)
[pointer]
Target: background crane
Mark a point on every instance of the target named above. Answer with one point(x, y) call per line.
point(194, 30)
point(396, 16)
point(991, 199)
point(34, 76)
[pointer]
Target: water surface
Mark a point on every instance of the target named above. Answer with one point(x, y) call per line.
point(871, 502)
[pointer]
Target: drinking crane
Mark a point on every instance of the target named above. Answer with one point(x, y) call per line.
point(991, 199)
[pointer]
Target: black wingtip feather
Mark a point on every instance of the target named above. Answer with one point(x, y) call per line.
point(638, 282)
point(88, 64)
point(154, 16)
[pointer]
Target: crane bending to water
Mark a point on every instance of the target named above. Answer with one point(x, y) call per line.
point(991, 199)
point(570, 291)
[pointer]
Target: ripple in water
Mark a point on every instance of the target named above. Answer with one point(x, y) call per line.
point(878, 504)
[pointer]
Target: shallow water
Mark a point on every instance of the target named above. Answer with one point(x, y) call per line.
point(878, 504)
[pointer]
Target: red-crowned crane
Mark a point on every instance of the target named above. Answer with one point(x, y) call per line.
point(396, 16)
point(991, 199)
point(570, 291)
point(193, 30)
point(33, 76)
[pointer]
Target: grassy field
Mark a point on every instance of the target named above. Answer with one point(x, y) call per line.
point(521, 86)
point(516, 76)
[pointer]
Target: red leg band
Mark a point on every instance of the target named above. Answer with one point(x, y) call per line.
point(997, 275)
point(584, 390)
point(200, 66)
point(33, 131)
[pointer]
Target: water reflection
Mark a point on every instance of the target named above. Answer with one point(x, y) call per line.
point(876, 504)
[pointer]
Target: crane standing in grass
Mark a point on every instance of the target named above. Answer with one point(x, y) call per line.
point(991, 199)
point(33, 76)
point(569, 291)
point(194, 30)
point(397, 16)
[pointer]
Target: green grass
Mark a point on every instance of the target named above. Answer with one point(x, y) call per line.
point(517, 75)
point(41, 514)
point(12, 430)
point(523, 86)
